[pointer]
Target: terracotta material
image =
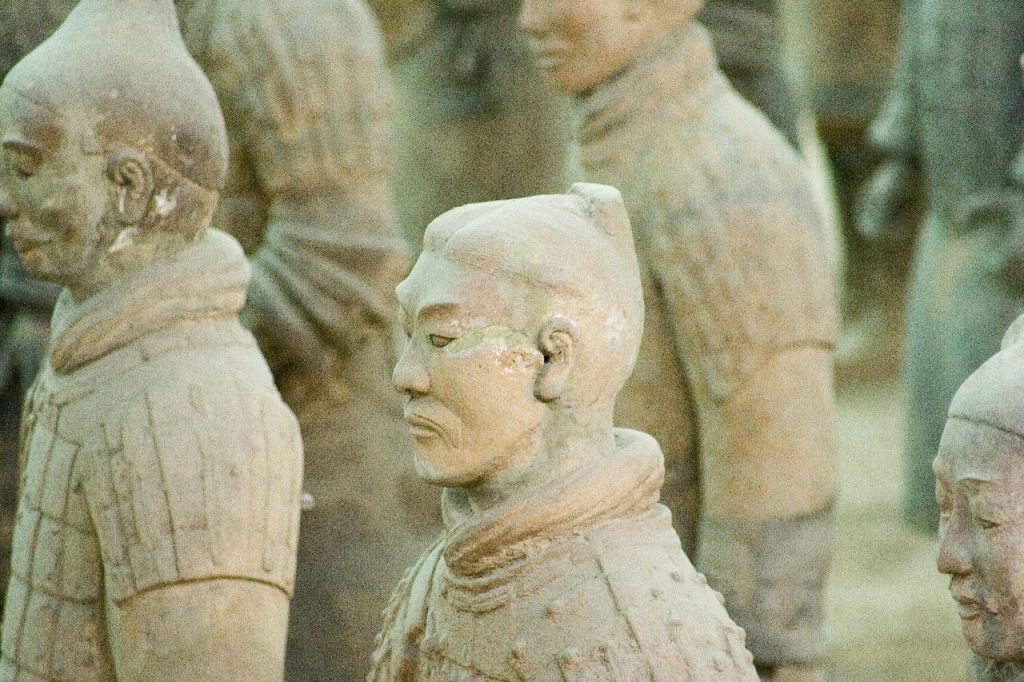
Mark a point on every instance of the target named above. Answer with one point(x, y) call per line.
point(980, 476)
point(953, 121)
point(748, 40)
point(474, 121)
point(558, 563)
point(161, 472)
point(740, 309)
point(305, 95)
point(25, 304)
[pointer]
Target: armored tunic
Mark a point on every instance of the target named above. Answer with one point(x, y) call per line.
point(583, 579)
point(304, 91)
point(957, 113)
point(155, 451)
point(741, 320)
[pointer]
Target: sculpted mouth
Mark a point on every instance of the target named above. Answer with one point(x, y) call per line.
point(424, 427)
point(970, 609)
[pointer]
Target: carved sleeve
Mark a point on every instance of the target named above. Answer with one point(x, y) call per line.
point(198, 482)
point(314, 112)
point(894, 132)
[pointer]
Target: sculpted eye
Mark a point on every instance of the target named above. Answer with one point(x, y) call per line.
point(438, 341)
point(25, 165)
point(987, 524)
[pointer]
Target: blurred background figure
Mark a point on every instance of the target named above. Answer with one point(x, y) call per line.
point(845, 52)
point(953, 122)
point(474, 121)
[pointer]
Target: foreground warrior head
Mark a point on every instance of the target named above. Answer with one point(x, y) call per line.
point(524, 320)
point(980, 491)
point(114, 146)
point(515, 358)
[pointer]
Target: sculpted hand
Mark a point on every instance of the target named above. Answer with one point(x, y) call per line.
point(885, 208)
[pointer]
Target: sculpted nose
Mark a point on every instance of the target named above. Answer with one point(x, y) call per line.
point(410, 376)
point(954, 555)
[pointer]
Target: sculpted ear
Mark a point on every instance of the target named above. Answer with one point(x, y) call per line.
point(132, 174)
point(557, 342)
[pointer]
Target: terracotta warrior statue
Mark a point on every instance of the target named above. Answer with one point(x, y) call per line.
point(558, 563)
point(307, 105)
point(953, 120)
point(980, 479)
point(305, 94)
point(158, 512)
point(734, 378)
point(25, 303)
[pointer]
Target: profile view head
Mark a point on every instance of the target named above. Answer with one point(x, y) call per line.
point(523, 315)
point(980, 491)
point(110, 135)
point(583, 43)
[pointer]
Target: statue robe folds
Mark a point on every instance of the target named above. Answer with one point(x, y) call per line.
point(557, 585)
point(956, 111)
point(155, 451)
point(304, 91)
point(734, 376)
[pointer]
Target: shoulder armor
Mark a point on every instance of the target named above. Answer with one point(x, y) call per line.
point(198, 481)
point(305, 82)
point(744, 286)
point(676, 629)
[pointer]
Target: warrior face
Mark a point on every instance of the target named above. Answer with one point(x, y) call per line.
point(468, 372)
point(980, 476)
point(54, 194)
point(582, 43)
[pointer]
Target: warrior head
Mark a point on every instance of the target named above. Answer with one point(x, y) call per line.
point(113, 144)
point(524, 320)
point(583, 43)
point(980, 490)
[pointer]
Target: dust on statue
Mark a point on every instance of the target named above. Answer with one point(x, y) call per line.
point(980, 476)
point(558, 563)
point(734, 377)
point(158, 515)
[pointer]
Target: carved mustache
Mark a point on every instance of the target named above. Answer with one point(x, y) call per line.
point(435, 419)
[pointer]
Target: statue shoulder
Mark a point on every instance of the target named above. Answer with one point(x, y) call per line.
point(198, 480)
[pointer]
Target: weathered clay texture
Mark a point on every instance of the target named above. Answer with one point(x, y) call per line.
point(558, 563)
point(25, 304)
point(158, 511)
point(980, 478)
point(734, 375)
point(307, 103)
point(954, 119)
point(748, 41)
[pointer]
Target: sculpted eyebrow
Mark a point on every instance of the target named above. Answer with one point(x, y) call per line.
point(19, 142)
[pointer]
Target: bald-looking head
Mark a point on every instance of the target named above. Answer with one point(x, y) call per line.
point(111, 136)
point(524, 320)
point(980, 491)
point(568, 256)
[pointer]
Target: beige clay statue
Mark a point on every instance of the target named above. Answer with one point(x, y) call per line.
point(305, 95)
point(980, 479)
point(524, 320)
point(158, 512)
point(734, 378)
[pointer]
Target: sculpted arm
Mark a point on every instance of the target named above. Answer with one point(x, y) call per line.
point(212, 630)
point(196, 504)
point(314, 120)
point(755, 339)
